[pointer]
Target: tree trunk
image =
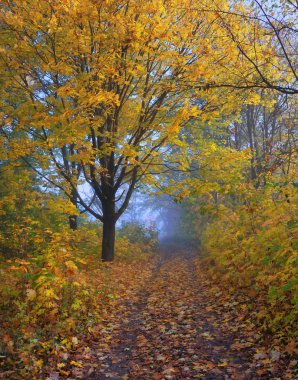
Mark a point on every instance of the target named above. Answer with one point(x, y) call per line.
point(73, 222)
point(73, 219)
point(109, 228)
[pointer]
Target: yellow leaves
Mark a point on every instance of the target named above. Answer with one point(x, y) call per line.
point(67, 90)
point(255, 98)
point(76, 364)
point(74, 340)
point(224, 364)
point(53, 24)
point(212, 147)
point(63, 206)
point(173, 129)
point(71, 267)
point(49, 293)
point(31, 294)
point(256, 242)
point(81, 261)
point(132, 154)
point(109, 74)
point(56, 305)
point(89, 99)
point(76, 305)
point(22, 266)
point(42, 279)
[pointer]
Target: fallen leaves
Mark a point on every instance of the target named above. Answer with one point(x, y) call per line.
point(171, 323)
point(175, 328)
point(76, 364)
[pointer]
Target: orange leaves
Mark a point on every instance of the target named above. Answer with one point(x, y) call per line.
point(125, 71)
point(163, 329)
point(71, 267)
point(54, 298)
point(256, 251)
point(76, 364)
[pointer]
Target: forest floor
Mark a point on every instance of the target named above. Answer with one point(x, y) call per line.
point(176, 327)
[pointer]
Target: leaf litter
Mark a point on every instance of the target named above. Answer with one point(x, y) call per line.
point(178, 326)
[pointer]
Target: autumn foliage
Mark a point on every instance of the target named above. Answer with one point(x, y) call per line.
point(194, 100)
point(253, 250)
point(59, 293)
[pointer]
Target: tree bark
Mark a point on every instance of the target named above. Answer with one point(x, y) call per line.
point(109, 228)
point(73, 222)
point(73, 219)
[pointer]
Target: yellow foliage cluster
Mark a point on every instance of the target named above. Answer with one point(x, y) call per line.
point(60, 291)
point(253, 249)
point(28, 216)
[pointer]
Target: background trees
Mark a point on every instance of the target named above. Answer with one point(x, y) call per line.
point(243, 201)
point(273, 27)
point(270, 134)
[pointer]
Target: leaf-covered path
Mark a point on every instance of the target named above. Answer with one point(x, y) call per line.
point(174, 329)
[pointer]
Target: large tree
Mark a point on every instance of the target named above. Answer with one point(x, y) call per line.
point(98, 88)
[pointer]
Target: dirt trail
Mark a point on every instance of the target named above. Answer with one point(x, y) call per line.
point(174, 330)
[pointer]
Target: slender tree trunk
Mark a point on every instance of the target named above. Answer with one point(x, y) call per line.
point(73, 219)
point(109, 228)
point(249, 124)
point(73, 222)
